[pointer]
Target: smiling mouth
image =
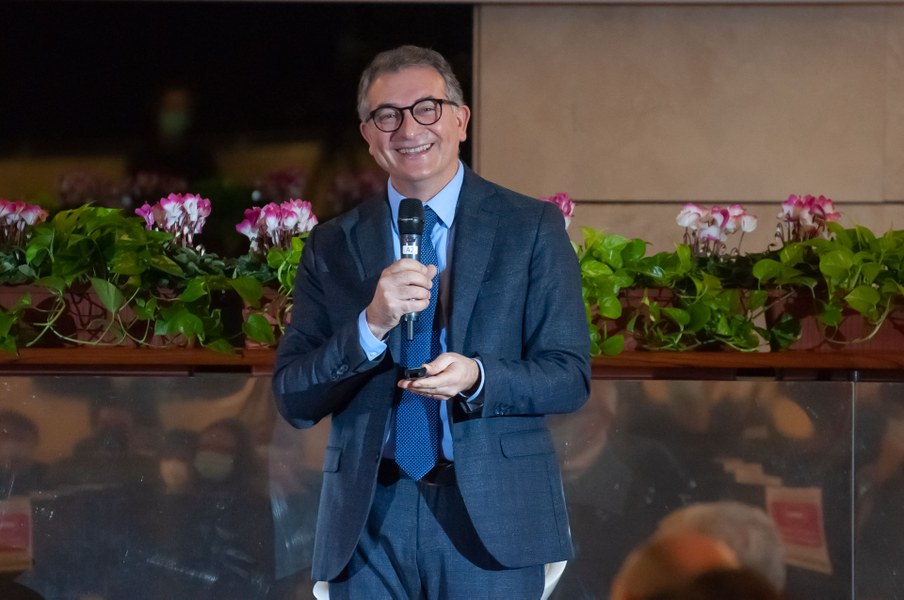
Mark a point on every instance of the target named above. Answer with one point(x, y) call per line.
point(415, 150)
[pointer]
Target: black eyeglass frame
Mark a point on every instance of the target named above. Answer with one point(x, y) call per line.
point(439, 112)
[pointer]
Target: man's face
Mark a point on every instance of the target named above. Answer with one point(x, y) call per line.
point(420, 159)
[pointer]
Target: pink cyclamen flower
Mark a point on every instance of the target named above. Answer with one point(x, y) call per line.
point(274, 225)
point(15, 217)
point(565, 204)
point(32, 214)
point(748, 223)
point(707, 229)
point(692, 215)
point(805, 217)
point(182, 215)
point(146, 212)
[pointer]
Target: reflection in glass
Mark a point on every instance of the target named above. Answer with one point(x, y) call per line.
point(192, 487)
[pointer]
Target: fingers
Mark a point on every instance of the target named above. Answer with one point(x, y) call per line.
point(447, 375)
point(404, 287)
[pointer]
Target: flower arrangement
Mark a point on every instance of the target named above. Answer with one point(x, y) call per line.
point(276, 233)
point(565, 204)
point(16, 219)
point(848, 279)
point(182, 215)
point(274, 225)
point(706, 229)
point(805, 218)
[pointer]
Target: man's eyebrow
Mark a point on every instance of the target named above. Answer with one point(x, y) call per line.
point(390, 105)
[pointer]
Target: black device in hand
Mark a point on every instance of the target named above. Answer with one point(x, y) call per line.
point(415, 372)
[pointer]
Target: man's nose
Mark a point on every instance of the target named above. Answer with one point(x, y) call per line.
point(409, 126)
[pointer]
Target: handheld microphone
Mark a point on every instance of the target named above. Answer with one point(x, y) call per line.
point(411, 225)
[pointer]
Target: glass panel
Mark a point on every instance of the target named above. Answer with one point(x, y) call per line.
point(143, 487)
point(163, 487)
point(879, 518)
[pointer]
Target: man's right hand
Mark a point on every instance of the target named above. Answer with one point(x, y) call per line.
point(404, 287)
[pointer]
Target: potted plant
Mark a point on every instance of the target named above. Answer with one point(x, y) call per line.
point(609, 264)
point(696, 297)
point(19, 296)
point(276, 233)
point(182, 286)
point(834, 286)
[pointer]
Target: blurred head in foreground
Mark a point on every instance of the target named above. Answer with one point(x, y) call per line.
point(669, 562)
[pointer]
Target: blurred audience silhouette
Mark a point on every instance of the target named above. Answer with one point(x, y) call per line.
point(724, 584)
point(746, 529)
point(669, 562)
point(20, 472)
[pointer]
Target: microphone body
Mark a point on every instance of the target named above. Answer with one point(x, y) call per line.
point(411, 226)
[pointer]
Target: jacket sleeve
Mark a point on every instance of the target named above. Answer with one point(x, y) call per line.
point(320, 363)
point(552, 372)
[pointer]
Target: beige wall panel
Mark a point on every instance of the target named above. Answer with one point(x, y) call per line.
point(707, 103)
point(894, 107)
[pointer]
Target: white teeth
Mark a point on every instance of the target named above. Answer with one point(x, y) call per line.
point(414, 150)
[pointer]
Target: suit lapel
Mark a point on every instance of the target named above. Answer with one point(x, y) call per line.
point(476, 223)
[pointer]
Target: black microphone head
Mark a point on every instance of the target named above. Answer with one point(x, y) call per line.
point(411, 217)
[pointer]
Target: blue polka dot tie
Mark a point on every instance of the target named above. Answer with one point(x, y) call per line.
point(417, 417)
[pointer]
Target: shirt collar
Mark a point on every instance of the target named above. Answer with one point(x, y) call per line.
point(443, 203)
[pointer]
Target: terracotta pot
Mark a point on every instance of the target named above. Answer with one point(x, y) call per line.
point(88, 322)
point(854, 334)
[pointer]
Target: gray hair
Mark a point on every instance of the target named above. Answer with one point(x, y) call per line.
point(403, 57)
point(746, 529)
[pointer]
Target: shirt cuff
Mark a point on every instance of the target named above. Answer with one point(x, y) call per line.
point(372, 347)
point(473, 401)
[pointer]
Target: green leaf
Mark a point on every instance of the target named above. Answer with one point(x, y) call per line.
point(259, 329)
point(110, 295)
point(832, 314)
point(677, 315)
point(767, 269)
point(863, 299)
point(220, 345)
point(179, 320)
point(196, 288)
point(613, 345)
point(699, 316)
point(249, 289)
point(837, 264)
point(610, 307)
point(166, 265)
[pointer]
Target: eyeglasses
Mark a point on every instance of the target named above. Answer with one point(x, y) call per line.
point(428, 111)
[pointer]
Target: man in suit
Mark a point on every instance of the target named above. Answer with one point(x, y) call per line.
point(511, 346)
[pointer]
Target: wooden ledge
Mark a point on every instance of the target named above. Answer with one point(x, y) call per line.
point(138, 361)
point(628, 365)
point(731, 365)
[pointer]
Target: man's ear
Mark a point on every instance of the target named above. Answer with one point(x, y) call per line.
point(462, 117)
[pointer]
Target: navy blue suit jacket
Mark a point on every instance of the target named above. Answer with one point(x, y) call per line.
point(515, 302)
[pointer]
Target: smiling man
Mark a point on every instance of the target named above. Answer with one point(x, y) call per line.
point(447, 485)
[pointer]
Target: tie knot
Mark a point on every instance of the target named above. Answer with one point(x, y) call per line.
point(430, 220)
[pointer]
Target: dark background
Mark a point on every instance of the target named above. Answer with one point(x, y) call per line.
point(82, 77)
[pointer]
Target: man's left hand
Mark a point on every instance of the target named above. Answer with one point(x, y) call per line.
point(447, 375)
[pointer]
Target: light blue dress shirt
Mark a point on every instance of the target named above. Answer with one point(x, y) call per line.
point(443, 204)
